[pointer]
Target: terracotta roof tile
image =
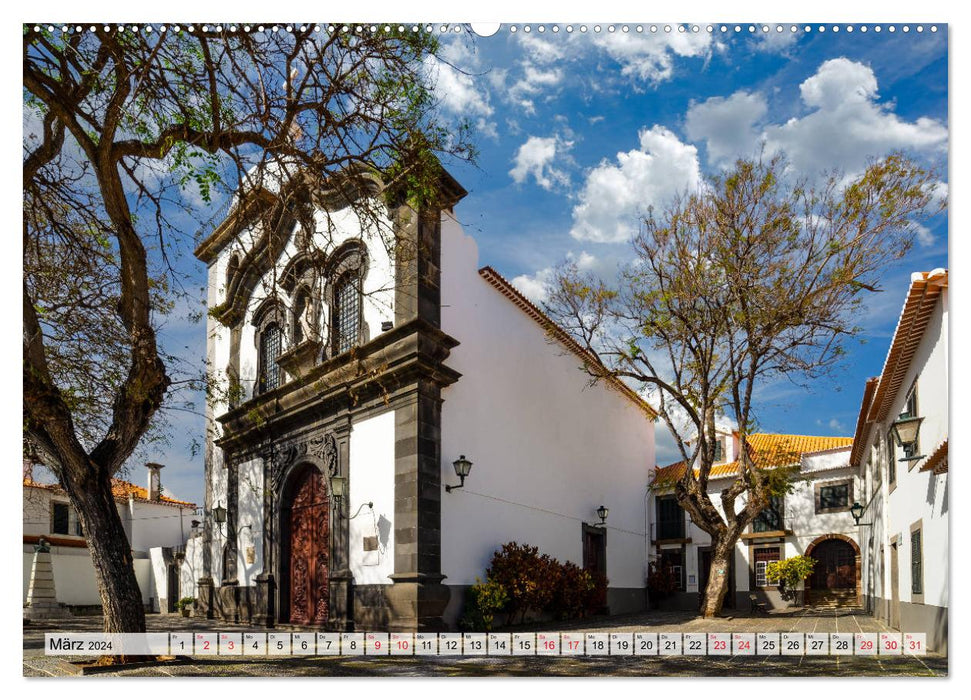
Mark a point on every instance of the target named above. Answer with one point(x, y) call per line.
point(766, 449)
point(120, 490)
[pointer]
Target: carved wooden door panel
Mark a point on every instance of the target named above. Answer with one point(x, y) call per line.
point(309, 550)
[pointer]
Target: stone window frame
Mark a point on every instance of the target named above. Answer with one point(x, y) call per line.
point(782, 515)
point(72, 519)
point(918, 527)
point(351, 258)
point(779, 548)
point(270, 312)
point(850, 495)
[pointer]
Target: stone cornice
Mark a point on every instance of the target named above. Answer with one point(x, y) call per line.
point(374, 373)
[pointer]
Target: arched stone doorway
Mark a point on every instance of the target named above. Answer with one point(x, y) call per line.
point(305, 565)
point(836, 576)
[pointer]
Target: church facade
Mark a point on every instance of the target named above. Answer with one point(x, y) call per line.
point(356, 362)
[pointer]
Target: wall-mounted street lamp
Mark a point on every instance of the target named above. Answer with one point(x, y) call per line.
point(462, 468)
point(338, 490)
point(856, 510)
point(219, 514)
point(905, 431)
point(602, 512)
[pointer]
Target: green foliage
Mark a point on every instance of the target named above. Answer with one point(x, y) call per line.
point(789, 573)
point(482, 602)
point(185, 603)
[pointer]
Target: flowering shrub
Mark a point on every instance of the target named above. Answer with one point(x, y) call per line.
point(789, 572)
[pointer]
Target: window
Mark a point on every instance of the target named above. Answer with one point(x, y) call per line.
point(771, 517)
point(891, 461)
point(64, 520)
point(916, 564)
point(834, 497)
point(270, 343)
point(670, 519)
point(761, 558)
point(346, 315)
point(719, 450)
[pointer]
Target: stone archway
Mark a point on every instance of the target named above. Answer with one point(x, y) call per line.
point(832, 575)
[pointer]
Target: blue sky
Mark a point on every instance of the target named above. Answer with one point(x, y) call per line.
point(579, 132)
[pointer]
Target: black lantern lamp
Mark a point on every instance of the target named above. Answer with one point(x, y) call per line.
point(462, 469)
point(602, 512)
point(905, 431)
point(219, 514)
point(856, 510)
point(338, 489)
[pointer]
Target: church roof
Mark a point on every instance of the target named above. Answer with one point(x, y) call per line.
point(554, 330)
point(766, 450)
point(120, 489)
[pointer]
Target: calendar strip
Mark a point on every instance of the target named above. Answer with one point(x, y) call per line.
point(573, 644)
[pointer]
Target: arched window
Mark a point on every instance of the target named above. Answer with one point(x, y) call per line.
point(346, 314)
point(270, 345)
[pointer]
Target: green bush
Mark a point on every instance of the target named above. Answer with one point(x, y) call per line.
point(789, 573)
point(482, 602)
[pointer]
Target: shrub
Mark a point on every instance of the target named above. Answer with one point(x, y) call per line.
point(527, 577)
point(572, 592)
point(184, 603)
point(789, 573)
point(482, 603)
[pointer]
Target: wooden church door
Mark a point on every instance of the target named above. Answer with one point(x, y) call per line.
point(309, 550)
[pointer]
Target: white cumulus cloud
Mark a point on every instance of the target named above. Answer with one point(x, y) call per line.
point(459, 87)
point(614, 194)
point(536, 286)
point(536, 157)
point(847, 125)
point(727, 125)
point(649, 57)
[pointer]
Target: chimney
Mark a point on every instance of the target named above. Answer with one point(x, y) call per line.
point(154, 481)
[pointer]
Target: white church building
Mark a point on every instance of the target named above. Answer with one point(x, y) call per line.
point(362, 378)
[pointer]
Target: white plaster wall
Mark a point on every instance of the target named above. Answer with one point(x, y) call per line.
point(75, 582)
point(218, 480)
point(547, 449)
point(922, 496)
point(157, 525)
point(372, 480)
point(191, 570)
point(250, 513)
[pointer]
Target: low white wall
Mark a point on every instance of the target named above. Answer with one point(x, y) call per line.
point(75, 582)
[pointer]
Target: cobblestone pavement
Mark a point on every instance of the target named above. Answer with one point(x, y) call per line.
point(36, 664)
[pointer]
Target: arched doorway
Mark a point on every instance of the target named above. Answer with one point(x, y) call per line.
point(836, 576)
point(306, 539)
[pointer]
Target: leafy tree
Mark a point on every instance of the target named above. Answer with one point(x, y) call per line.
point(128, 133)
point(758, 276)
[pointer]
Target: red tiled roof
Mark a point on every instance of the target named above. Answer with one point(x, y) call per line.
point(925, 289)
point(766, 450)
point(120, 490)
point(530, 309)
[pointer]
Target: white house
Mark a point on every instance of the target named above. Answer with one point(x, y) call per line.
point(365, 368)
point(904, 521)
point(156, 525)
point(814, 520)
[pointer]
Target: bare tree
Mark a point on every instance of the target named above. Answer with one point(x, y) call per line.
point(754, 278)
point(124, 125)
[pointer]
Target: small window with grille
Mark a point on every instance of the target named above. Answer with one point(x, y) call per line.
point(270, 344)
point(347, 313)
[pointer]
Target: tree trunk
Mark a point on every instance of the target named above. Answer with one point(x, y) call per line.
point(111, 555)
point(714, 595)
